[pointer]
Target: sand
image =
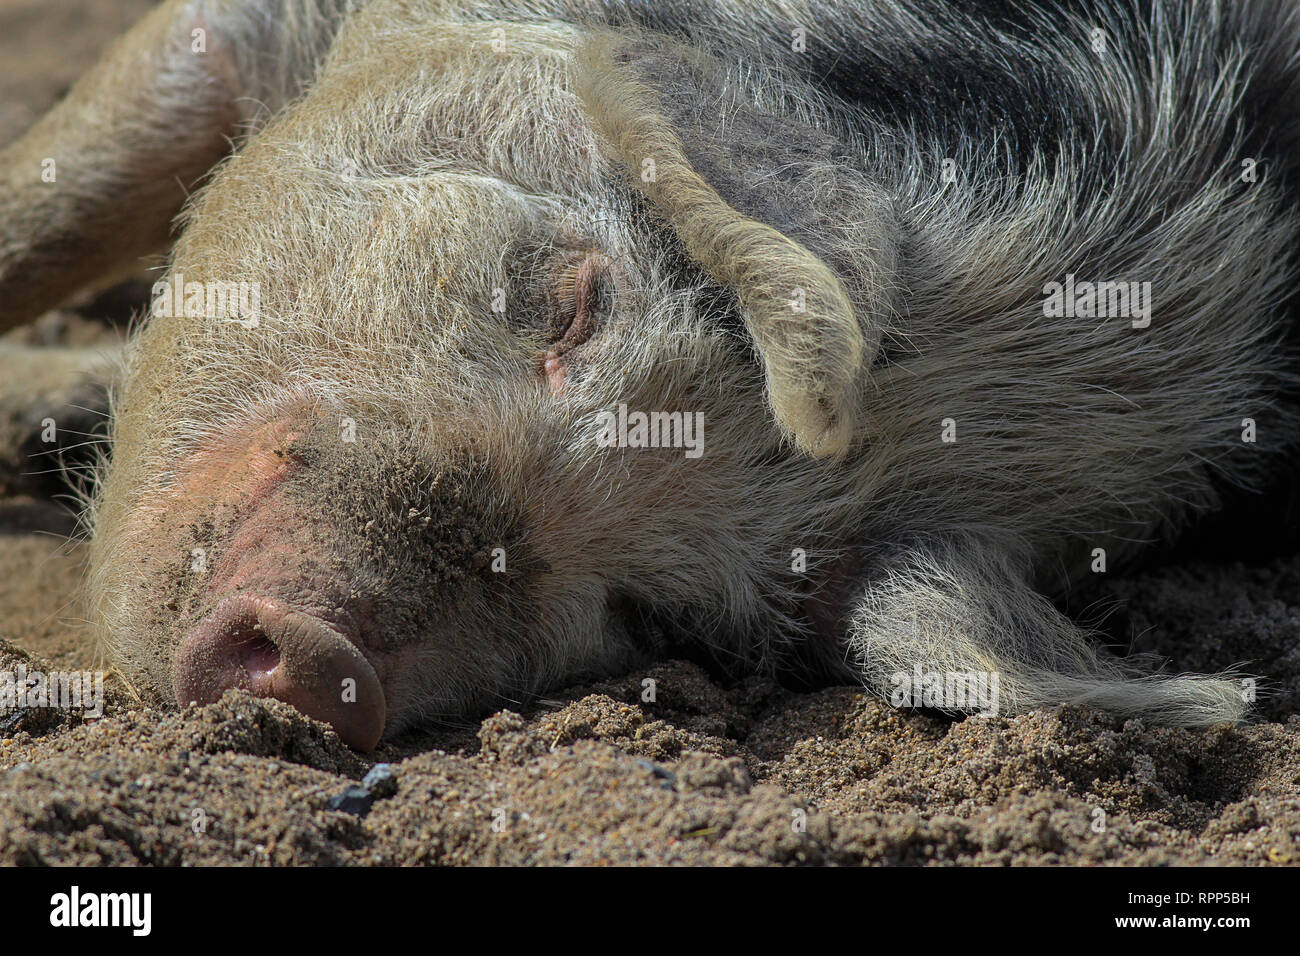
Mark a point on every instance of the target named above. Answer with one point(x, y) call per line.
point(711, 771)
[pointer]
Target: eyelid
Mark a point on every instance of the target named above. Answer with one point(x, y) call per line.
point(578, 294)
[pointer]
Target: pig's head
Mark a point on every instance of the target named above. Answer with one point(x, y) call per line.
point(375, 454)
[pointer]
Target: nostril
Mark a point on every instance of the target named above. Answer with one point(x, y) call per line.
point(254, 644)
point(255, 652)
point(239, 636)
point(229, 648)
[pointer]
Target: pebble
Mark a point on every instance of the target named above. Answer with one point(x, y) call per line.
point(381, 781)
point(354, 800)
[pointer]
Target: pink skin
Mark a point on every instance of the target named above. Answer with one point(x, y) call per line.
point(553, 367)
point(282, 626)
point(256, 644)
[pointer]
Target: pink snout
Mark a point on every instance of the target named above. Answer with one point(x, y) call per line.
point(254, 643)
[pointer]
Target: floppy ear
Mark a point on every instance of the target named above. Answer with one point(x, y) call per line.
point(770, 207)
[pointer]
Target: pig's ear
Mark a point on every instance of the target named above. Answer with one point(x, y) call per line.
point(95, 184)
point(751, 196)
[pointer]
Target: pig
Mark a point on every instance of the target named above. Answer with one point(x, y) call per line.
point(502, 343)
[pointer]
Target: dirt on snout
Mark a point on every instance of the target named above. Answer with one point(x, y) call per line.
point(749, 773)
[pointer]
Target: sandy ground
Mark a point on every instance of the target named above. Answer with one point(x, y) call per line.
point(711, 771)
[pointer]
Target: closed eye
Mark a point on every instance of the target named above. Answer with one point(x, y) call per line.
point(583, 293)
point(583, 297)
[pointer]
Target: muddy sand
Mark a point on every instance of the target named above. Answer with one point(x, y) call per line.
point(712, 770)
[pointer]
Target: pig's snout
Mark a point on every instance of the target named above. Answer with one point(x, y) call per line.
point(333, 575)
point(256, 644)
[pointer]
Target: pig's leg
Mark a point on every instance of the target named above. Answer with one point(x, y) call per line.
point(54, 406)
point(94, 185)
point(948, 611)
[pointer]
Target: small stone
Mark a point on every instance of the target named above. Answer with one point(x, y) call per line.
point(381, 781)
point(354, 800)
point(667, 777)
